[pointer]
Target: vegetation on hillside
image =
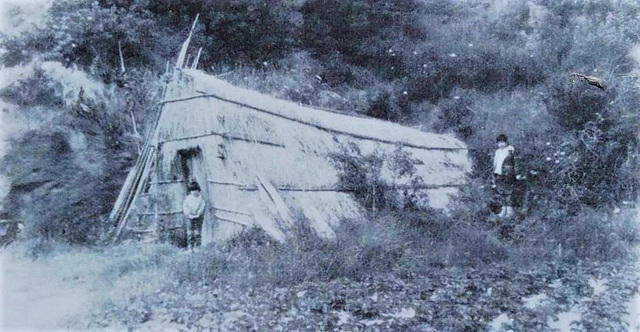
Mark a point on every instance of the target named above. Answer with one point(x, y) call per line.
point(474, 68)
point(469, 67)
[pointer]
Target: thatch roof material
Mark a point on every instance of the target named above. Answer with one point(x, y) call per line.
point(263, 161)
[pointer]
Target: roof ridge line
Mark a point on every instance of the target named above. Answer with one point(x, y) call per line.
point(325, 128)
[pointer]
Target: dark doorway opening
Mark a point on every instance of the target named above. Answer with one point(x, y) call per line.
point(192, 167)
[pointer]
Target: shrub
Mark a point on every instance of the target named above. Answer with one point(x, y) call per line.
point(363, 175)
point(594, 235)
point(444, 241)
point(130, 257)
point(235, 33)
point(388, 105)
point(66, 172)
point(36, 90)
point(364, 32)
point(85, 34)
point(39, 248)
point(253, 260)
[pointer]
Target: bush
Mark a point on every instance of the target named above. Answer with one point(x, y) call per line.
point(444, 241)
point(363, 175)
point(66, 172)
point(595, 235)
point(36, 90)
point(363, 32)
point(234, 33)
point(39, 248)
point(253, 260)
point(85, 34)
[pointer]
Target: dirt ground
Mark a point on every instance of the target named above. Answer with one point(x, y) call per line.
point(59, 292)
point(38, 296)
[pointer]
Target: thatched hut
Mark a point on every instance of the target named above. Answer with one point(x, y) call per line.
point(261, 161)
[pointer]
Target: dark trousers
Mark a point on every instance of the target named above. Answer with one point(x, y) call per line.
point(194, 232)
point(504, 188)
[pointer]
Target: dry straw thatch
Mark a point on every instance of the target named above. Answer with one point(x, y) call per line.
point(261, 161)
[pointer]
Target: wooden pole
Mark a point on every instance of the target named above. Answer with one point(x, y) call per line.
point(135, 132)
point(121, 58)
point(195, 62)
point(137, 188)
point(183, 51)
point(155, 192)
point(374, 200)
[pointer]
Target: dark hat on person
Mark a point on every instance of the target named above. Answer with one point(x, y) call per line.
point(193, 186)
point(502, 138)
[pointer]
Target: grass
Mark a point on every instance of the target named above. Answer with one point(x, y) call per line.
point(447, 275)
point(405, 244)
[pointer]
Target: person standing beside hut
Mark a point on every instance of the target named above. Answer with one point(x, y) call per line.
point(193, 209)
point(504, 174)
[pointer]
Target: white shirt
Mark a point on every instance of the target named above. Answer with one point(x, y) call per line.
point(499, 157)
point(193, 206)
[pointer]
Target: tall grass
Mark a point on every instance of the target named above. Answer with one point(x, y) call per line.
point(437, 254)
point(403, 244)
point(359, 250)
point(406, 245)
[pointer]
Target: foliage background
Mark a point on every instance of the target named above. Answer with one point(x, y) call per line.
point(475, 68)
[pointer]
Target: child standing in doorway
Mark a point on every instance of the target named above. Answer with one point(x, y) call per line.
point(193, 209)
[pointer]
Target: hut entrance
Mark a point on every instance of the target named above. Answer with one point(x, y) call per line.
point(192, 168)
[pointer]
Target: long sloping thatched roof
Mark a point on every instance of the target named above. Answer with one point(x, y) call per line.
point(266, 162)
